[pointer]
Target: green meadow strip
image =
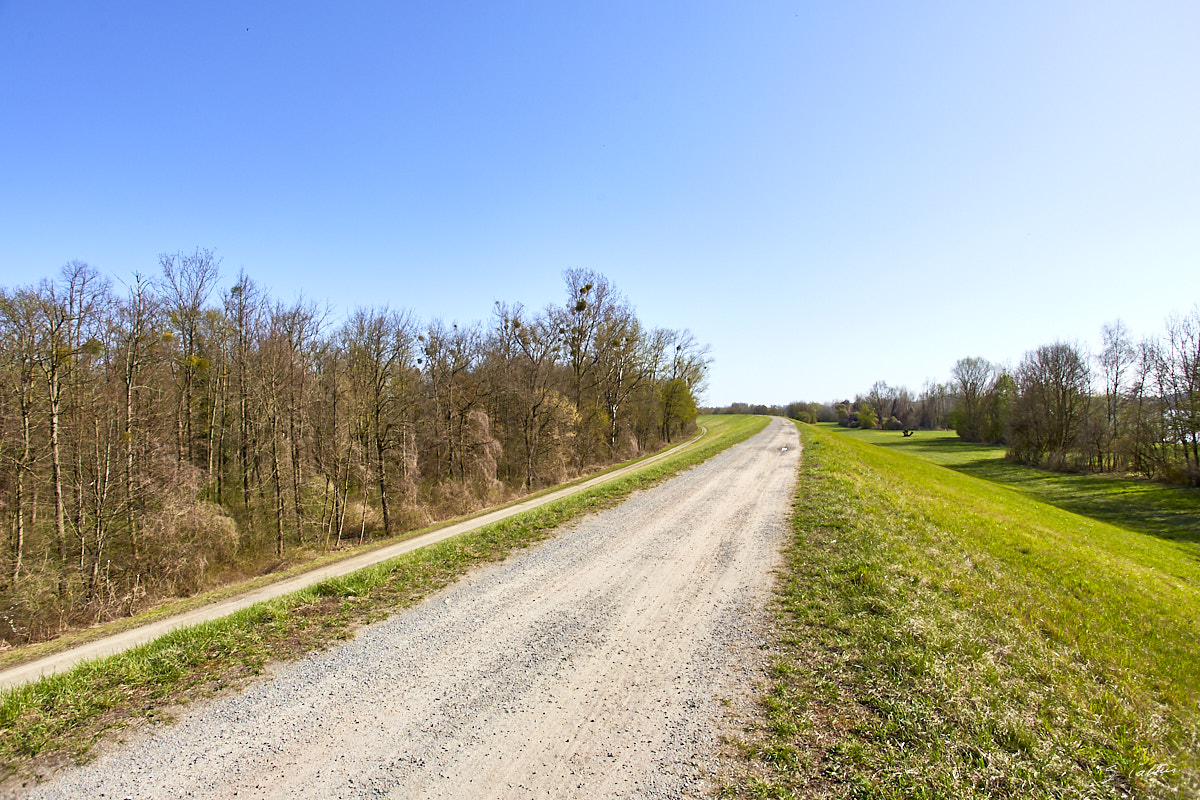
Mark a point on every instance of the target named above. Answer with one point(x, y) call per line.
point(61, 715)
point(1159, 509)
point(941, 636)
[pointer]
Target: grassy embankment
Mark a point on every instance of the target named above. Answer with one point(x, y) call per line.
point(947, 636)
point(59, 716)
point(1157, 509)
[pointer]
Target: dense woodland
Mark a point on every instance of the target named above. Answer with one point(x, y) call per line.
point(163, 435)
point(1133, 407)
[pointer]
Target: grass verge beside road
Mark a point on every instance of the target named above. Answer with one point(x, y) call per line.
point(58, 717)
point(945, 636)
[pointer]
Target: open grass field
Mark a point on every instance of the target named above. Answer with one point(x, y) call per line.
point(1155, 509)
point(942, 635)
point(58, 717)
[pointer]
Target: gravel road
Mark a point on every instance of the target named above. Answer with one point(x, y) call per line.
point(593, 665)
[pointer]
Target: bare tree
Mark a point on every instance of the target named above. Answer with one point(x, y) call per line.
point(19, 327)
point(1149, 418)
point(934, 404)
point(243, 309)
point(1116, 360)
point(622, 366)
point(54, 360)
point(1180, 366)
point(187, 281)
point(334, 452)
point(135, 339)
point(1055, 383)
point(528, 349)
point(685, 377)
point(883, 400)
point(592, 303)
point(971, 378)
point(146, 439)
point(379, 350)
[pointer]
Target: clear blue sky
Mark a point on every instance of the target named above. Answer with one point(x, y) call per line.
point(828, 194)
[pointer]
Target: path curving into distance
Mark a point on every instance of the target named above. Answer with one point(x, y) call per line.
point(592, 665)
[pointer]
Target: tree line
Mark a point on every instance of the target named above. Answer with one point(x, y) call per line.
point(1133, 407)
point(168, 434)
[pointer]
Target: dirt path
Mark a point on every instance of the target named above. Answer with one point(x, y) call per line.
point(593, 665)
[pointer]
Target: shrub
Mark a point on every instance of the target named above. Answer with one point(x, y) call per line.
point(867, 417)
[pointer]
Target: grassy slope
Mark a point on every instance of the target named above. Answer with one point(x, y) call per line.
point(1168, 512)
point(945, 636)
point(60, 715)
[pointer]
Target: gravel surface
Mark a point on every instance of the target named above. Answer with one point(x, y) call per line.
point(593, 665)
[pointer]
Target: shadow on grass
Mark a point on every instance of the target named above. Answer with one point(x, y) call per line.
point(1136, 504)
point(1168, 512)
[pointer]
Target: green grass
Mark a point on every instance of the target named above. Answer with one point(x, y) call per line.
point(1157, 509)
point(59, 716)
point(943, 636)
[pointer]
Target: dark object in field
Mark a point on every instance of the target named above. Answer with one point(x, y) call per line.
point(907, 432)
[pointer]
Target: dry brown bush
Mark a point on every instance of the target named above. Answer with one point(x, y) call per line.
point(181, 541)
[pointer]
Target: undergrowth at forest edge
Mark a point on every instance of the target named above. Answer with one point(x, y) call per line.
point(943, 636)
point(61, 715)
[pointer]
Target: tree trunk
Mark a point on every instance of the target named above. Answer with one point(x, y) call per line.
point(275, 479)
point(18, 543)
point(130, 516)
point(294, 432)
point(383, 496)
point(22, 468)
point(60, 510)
